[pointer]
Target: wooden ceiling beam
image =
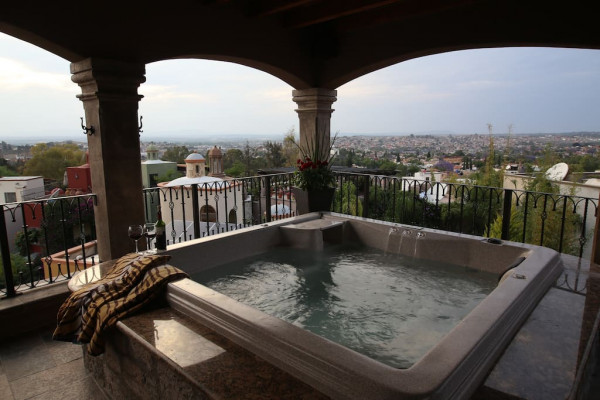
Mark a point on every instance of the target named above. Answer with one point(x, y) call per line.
point(400, 12)
point(270, 7)
point(329, 10)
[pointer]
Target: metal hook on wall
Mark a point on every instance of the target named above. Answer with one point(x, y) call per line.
point(141, 125)
point(87, 131)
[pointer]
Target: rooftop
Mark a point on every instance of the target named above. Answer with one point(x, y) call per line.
point(19, 178)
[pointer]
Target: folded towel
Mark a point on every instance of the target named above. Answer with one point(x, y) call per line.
point(110, 312)
point(133, 281)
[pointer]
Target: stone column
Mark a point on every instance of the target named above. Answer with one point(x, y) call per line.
point(110, 101)
point(314, 112)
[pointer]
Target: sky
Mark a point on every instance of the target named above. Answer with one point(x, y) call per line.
point(537, 90)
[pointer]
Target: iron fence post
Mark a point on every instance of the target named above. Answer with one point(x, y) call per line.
point(507, 209)
point(8, 276)
point(268, 198)
point(366, 187)
point(196, 210)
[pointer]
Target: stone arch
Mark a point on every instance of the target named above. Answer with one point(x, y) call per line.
point(232, 217)
point(208, 214)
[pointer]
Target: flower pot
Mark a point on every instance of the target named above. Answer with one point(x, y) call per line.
point(314, 200)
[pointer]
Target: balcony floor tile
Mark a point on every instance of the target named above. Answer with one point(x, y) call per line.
point(34, 366)
point(83, 389)
point(25, 356)
point(62, 352)
point(57, 379)
point(5, 392)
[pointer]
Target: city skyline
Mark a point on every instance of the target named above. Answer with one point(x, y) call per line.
point(537, 90)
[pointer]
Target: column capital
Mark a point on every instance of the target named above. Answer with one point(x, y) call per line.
point(314, 99)
point(109, 79)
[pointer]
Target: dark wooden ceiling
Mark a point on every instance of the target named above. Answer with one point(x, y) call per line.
point(307, 43)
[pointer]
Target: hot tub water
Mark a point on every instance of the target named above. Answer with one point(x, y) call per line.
point(389, 307)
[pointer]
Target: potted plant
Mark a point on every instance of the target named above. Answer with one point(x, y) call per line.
point(314, 181)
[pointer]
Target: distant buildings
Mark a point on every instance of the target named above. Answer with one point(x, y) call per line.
point(78, 179)
point(153, 167)
point(16, 189)
point(220, 200)
point(20, 188)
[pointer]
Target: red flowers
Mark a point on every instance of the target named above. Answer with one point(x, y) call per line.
point(308, 163)
point(312, 175)
point(313, 171)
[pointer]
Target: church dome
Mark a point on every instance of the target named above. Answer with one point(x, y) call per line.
point(214, 152)
point(194, 157)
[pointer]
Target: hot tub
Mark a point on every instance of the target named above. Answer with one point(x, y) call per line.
point(453, 368)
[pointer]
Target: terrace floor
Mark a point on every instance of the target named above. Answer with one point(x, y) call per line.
point(36, 367)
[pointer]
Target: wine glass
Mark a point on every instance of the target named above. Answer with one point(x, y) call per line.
point(150, 234)
point(135, 232)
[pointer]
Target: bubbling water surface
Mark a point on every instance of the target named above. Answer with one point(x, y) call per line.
point(388, 307)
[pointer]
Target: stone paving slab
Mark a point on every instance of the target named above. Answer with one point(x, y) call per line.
point(36, 367)
point(22, 357)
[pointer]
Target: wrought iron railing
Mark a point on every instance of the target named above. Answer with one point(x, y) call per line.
point(563, 222)
point(63, 228)
point(206, 209)
point(45, 241)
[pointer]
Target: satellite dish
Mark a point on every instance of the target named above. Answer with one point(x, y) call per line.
point(557, 172)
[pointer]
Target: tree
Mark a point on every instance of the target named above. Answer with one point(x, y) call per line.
point(388, 165)
point(52, 161)
point(412, 169)
point(169, 176)
point(290, 149)
point(249, 154)
point(232, 157)
point(515, 231)
point(176, 154)
point(33, 235)
point(349, 204)
point(547, 219)
point(5, 170)
point(345, 158)
point(236, 170)
point(548, 158)
point(590, 163)
point(444, 165)
point(18, 267)
point(274, 154)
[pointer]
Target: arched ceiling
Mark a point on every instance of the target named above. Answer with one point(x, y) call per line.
point(307, 43)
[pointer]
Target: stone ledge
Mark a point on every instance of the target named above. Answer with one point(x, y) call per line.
point(162, 354)
point(31, 310)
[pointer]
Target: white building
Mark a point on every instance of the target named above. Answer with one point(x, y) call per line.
point(220, 200)
point(15, 189)
point(21, 188)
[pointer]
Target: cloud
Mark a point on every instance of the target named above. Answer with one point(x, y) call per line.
point(360, 90)
point(165, 93)
point(472, 86)
point(16, 76)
